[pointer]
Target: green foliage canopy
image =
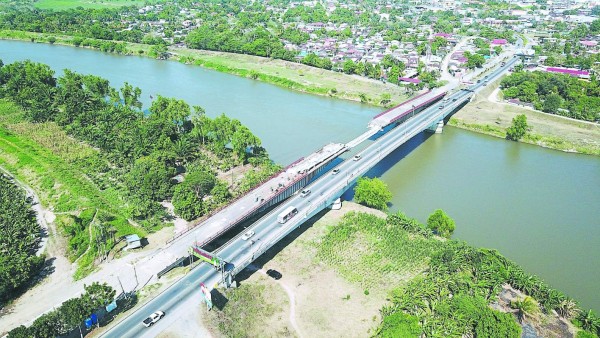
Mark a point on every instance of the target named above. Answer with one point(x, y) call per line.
point(19, 239)
point(441, 223)
point(518, 129)
point(372, 192)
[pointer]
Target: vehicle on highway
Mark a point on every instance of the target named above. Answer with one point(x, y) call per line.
point(478, 81)
point(247, 235)
point(276, 275)
point(335, 171)
point(305, 192)
point(288, 213)
point(502, 64)
point(153, 318)
point(356, 158)
point(454, 99)
point(485, 83)
point(441, 107)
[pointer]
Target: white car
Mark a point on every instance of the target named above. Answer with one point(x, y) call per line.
point(305, 192)
point(153, 318)
point(247, 235)
point(356, 158)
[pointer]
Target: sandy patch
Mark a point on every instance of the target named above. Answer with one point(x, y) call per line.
point(318, 302)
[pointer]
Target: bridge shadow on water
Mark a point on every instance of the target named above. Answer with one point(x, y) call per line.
point(389, 161)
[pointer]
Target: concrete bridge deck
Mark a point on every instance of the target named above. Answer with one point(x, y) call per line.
point(275, 189)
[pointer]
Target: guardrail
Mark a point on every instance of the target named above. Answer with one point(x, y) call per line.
point(195, 223)
point(401, 104)
point(419, 106)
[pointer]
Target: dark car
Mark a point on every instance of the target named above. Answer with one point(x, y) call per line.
point(276, 275)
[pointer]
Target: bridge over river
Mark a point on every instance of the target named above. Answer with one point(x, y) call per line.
point(389, 130)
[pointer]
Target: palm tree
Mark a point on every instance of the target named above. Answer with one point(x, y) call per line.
point(525, 306)
point(567, 308)
point(589, 321)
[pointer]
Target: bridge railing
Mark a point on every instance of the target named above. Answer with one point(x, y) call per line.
point(401, 104)
point(193, 224)
point(419, 106)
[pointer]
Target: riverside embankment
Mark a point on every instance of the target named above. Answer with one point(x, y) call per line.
point(537, 206)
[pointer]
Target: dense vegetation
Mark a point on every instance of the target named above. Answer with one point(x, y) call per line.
point(441, 223)
point(69, 316)
point(249, 27)
point(372, 192)
point(451, 284)
point(136, 157)
point(559, 94)
point(19, 240)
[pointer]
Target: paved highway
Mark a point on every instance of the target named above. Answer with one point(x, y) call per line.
point(268, 231)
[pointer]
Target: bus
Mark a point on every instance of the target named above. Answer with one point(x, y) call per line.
point(288, 213)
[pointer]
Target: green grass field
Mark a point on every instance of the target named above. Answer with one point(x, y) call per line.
point(67, 4)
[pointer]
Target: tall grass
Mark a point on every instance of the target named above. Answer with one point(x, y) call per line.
point(60, 169)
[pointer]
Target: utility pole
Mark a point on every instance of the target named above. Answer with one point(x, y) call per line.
point(122, 290)
point(136, 277)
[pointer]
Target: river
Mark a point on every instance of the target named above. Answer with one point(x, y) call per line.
point(539, 207)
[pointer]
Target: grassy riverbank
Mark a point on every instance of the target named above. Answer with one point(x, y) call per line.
point(481, 115)
point(488, 114)
point(284, 74)
point(393, 278)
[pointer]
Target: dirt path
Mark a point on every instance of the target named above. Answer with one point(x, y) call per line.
point(292, 298)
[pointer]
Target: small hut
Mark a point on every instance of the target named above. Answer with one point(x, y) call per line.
point(133, 242)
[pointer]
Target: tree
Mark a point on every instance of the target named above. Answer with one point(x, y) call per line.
point(595, 26)
point(518, 129)
point(150, 179)
point(97, 295)
point(589, 321)
point(241, 140)
point(568, 308)
point(73, 312)
point(552, 103)
point(349, 66)
point(20, 332)
point(400, 324)
point(550, 61)
point(19, 240)
point(186, 203)
point(373, 193)
point(474, 60)
point(441, 223)
point(526, 306)
point(385, 99)
point(32, 86)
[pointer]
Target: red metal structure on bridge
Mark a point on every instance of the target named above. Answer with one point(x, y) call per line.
point(406, 109)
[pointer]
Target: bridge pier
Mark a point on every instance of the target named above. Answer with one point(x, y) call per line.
point(337, 204)
point(436, 128)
